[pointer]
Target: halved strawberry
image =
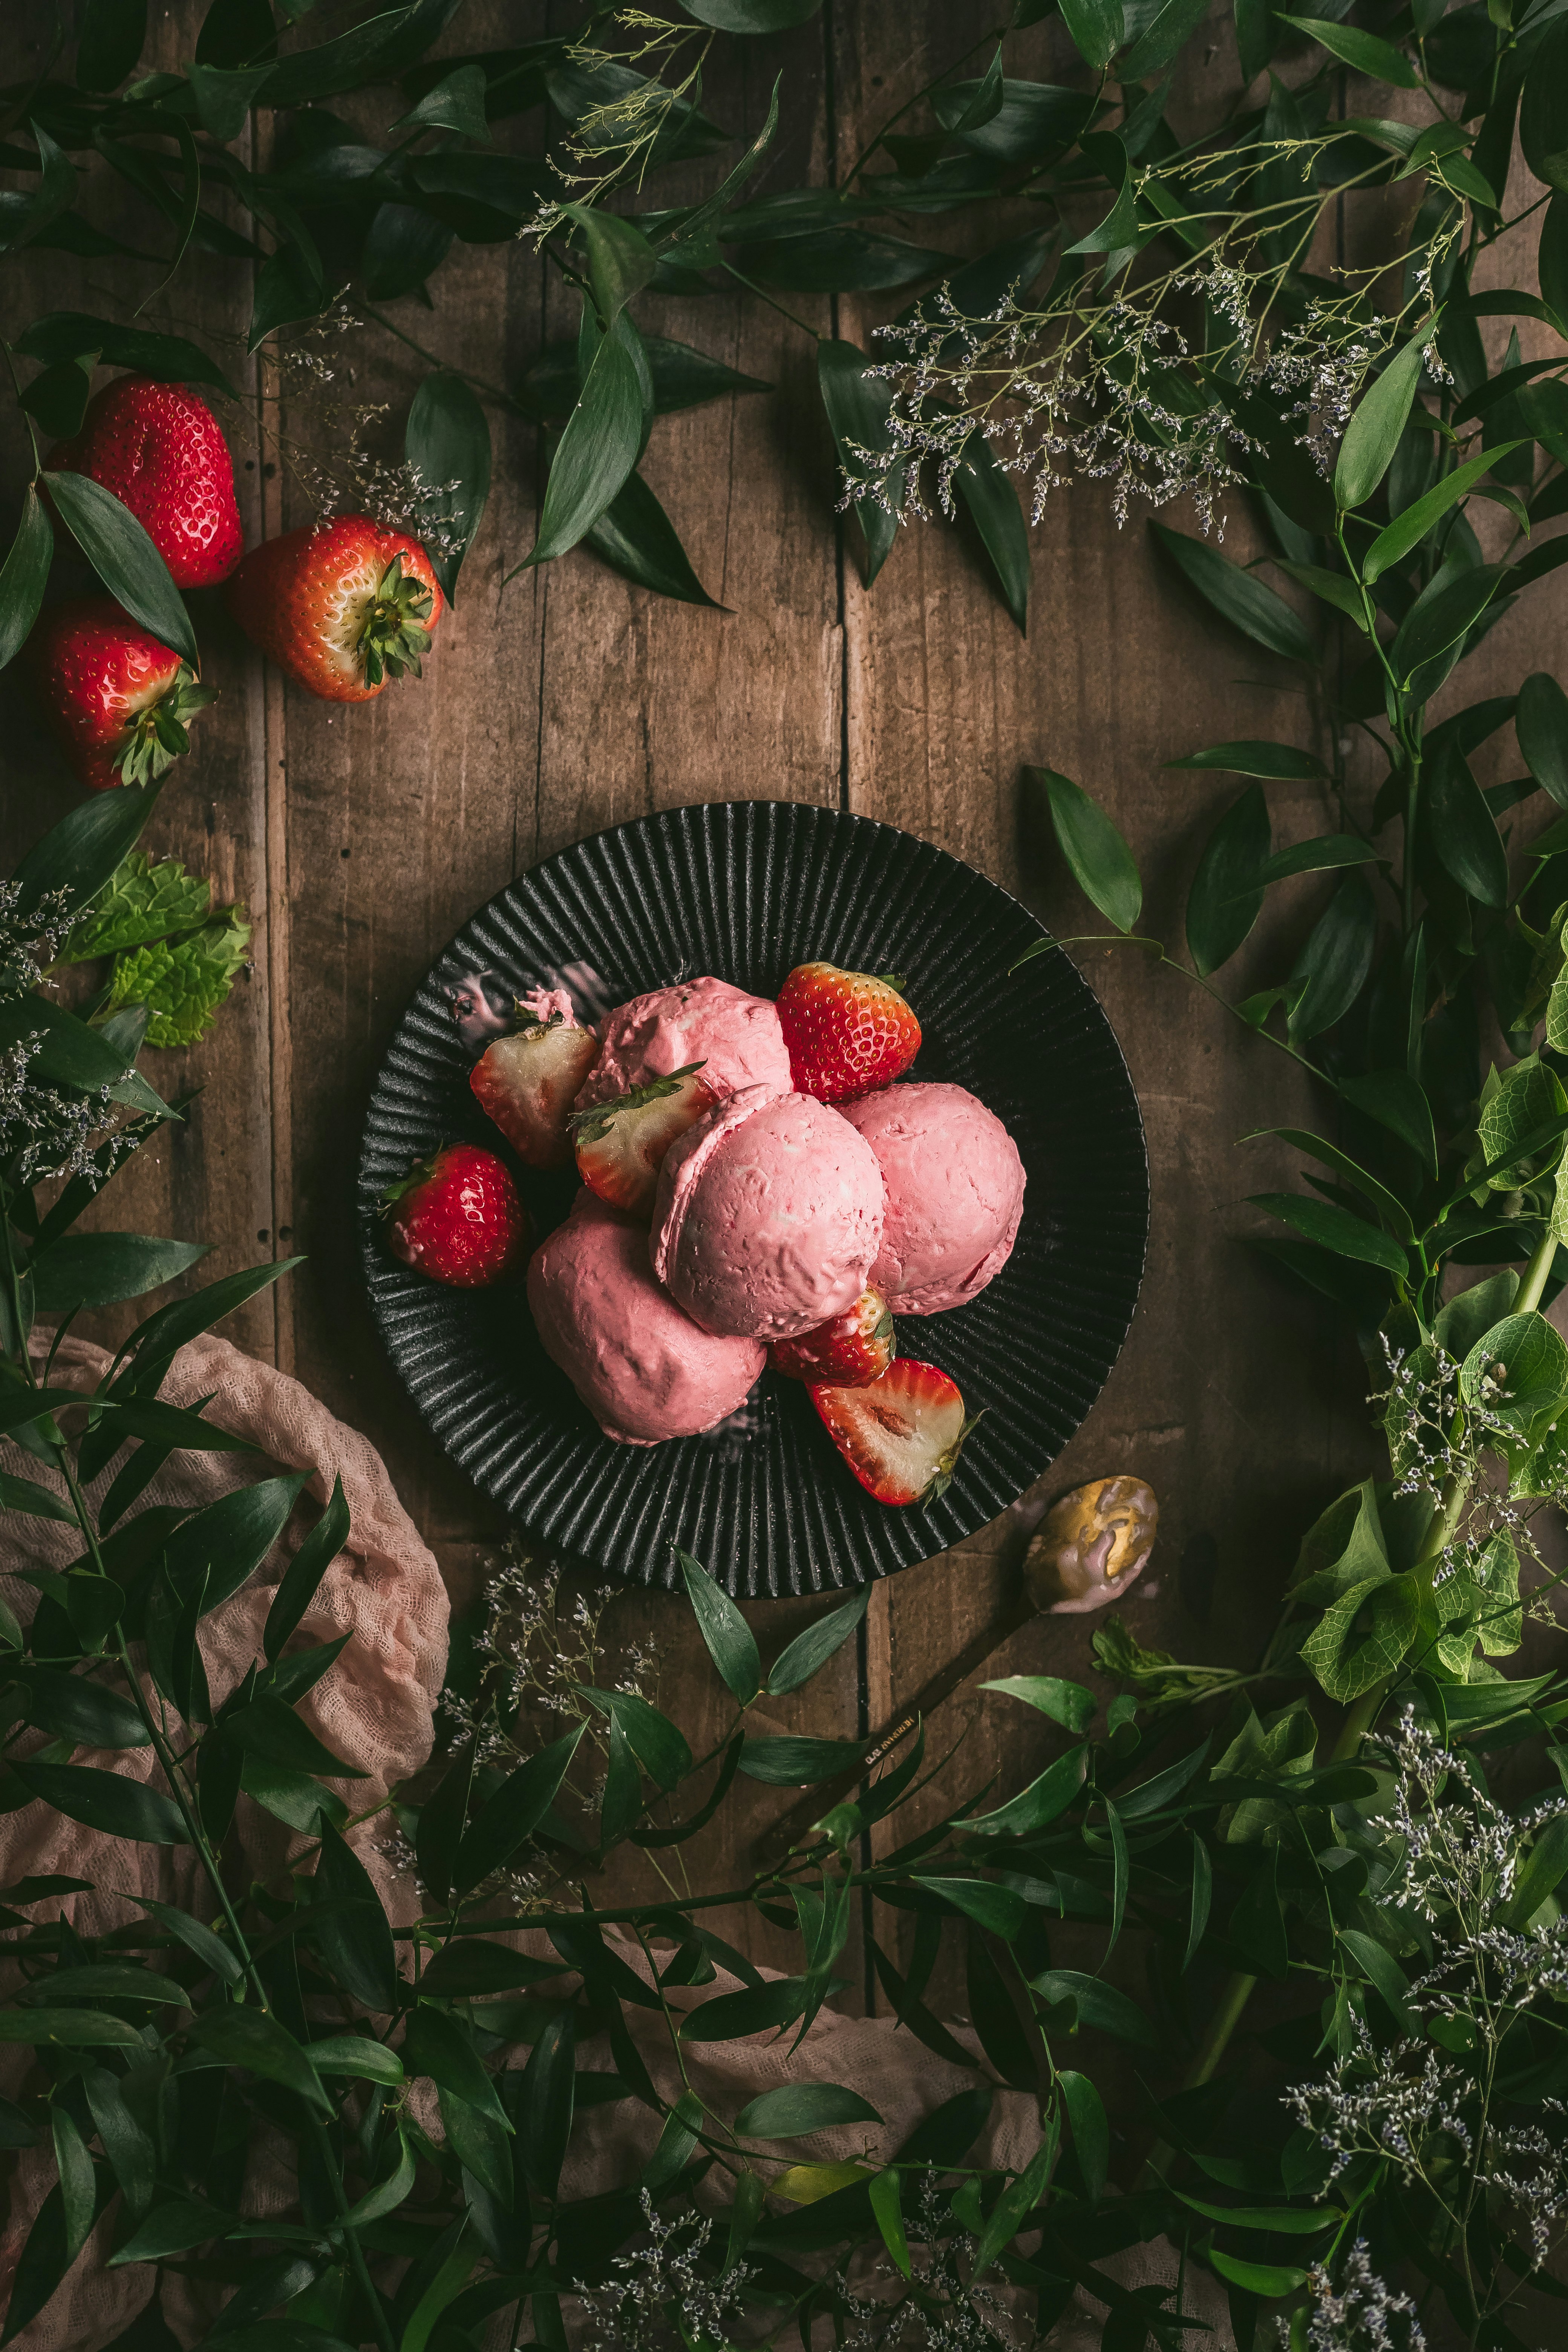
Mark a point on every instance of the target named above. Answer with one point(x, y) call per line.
point(528, 1084)
point(621, 1143)
point(849, 1351)
point(847, 1032)
point(902, 1434)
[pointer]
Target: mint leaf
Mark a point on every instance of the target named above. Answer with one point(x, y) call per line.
point(142, 900)
point(182, 982)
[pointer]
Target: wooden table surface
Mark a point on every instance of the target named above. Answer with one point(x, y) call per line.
point(569, 700)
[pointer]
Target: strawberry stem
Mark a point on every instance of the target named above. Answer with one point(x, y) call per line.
point(154, 738)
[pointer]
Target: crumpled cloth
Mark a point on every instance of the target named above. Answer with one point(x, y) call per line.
point(374, 1709)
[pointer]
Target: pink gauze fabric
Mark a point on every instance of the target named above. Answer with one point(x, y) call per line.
point(374, 1709)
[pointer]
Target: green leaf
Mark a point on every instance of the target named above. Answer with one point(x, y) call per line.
point(515, 1811)
point(1531, 1098)
point(1101, 862)
point(143, 900)
point(184, 981)
point(353, 1933)
point(301, 1579)
point(23, 574)
point(1516, 1371)
point(858, 405)
point(1019, 2197)
point(80, 853)
point(1332, 967)
point(729, 1641)
point(471, 1964)
point(1065, 1703)
point(1541, 721)
point(448, 440)
point(635, 538)
point(1199, 1902)
point(1380, 417)
point(810, 1650)
point(441, 2046)
point(107, 1980)
point(1091, 2130)
point(1440, 619)
point(1280, 762)
point(210, 1950)
point(1172, 25)
point(1237, 596)
point(1407, 531)
point(999, 1908)
point(799, 2107)
point(1097, 27)
point(1226, 896)
point(1396, 1102)
point(357, 2056)
point(1380, 1968)
point(109, 1801)
point(990, 498)
point(20, 223)
point(887, 2204)
point(457, 103)
point(547, 2102)
point(1388, 1205)
point(1263, 2278)
point(168, 359)
point(753, 15)
point(288, 1796)
point(255, 2039)
point(1464, 830)
point(1326, 854)
point(1043, 1801)
point(231, 1537)
point(842, 261)
point(1335, 1229)
point(68, 2029)
point(33, 1501)
point(1348, 1660)
point(125, 559)
point(1365, 54)
point(1542, 1871)
point(599, 447)
point(621, 259)
point(98, 1269)
point(776, 2003)
point(790, 1763)
point(1543, 111)
point(1286, 2218)
point(69, 1707)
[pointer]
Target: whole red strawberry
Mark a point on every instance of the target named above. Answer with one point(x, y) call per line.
point(118, 700)
point(162, 451)
point(457, 1218)
point(847, 1352)
point(342, 605)
point(847, 1032)
point(900, 1436)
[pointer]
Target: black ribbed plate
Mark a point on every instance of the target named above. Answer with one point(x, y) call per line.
point(746, 889)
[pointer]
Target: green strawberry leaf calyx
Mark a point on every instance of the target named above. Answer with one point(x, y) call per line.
point(394, 636)
point(154, 738)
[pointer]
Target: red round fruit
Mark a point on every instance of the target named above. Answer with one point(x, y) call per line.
point(162, 451)
point(343, 606)
point(847, 1032)
point(457, 1218)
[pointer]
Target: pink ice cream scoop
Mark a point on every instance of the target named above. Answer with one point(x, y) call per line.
point(768, 1215)
point(736, 1037)
point(955, 1193)
point(642, 1368)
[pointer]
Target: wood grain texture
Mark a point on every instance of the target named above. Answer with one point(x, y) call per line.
point(568, 701)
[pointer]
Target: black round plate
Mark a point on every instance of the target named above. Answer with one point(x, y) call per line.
point(746, 889)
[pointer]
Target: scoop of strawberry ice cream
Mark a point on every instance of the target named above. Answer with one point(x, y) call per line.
point(736, 1037)
point(642, 1368)
point(768, 1214)
point(955, 1193)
